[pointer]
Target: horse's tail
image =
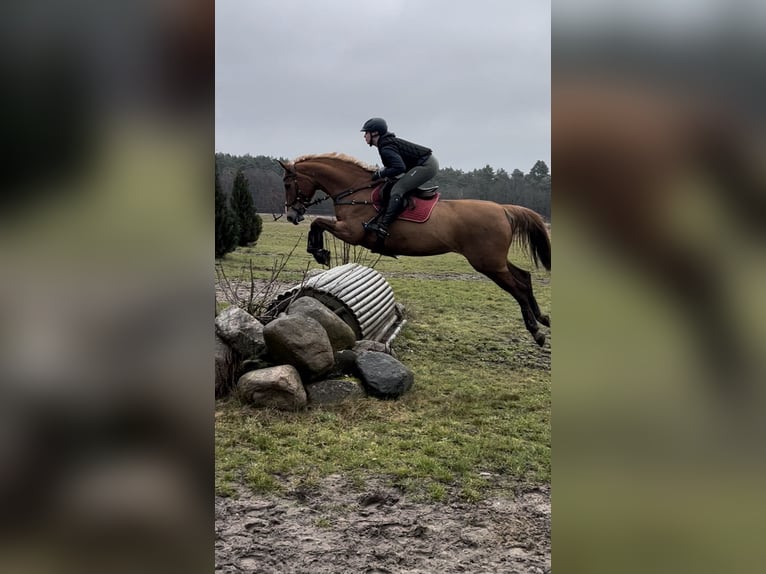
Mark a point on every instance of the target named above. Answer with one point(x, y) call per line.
point(531, 233)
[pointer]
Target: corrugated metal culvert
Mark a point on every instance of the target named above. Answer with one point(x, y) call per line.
point(357, 294)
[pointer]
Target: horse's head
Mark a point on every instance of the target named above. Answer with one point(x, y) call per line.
point(299, 190)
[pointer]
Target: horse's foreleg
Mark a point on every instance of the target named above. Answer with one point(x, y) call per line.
point(316, 243)
point(349, 232)
point(320, 224)
point(338, 229)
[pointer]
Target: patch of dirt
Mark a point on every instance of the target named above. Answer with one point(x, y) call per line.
point(335, 528)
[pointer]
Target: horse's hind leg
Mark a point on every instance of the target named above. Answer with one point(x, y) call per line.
point(508, 282)
point(524, 278)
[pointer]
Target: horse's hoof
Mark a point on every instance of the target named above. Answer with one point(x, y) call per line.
point(321, 256)
point(545, 320)
point(539, 338)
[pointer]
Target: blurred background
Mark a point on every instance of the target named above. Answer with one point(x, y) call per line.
point(106, 408)
point(659, 200)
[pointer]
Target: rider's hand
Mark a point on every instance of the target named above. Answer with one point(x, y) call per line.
point(376, 175)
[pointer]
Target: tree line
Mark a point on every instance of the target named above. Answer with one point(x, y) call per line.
point(532, 190)
point(260, 177)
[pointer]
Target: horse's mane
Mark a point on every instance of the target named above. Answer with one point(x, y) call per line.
point(336, 155)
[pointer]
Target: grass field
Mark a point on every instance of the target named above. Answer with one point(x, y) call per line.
point(476, 421)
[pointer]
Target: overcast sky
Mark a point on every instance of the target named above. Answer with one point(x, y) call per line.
point(470, 79)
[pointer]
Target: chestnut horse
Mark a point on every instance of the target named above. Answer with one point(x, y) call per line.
point(481, 231)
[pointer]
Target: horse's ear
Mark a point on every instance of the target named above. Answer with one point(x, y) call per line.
point(288, 167)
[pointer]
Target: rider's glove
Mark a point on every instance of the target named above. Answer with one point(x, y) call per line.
point(376, 175)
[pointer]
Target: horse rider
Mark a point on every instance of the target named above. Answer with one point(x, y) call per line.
point(410, 163)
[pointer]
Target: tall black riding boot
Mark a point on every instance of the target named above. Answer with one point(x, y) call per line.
point(392, 211)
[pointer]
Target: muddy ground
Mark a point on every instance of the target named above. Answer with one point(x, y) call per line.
point(336, 528)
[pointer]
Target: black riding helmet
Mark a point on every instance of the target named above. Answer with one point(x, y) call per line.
point(375, 125)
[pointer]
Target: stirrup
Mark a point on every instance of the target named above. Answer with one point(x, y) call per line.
point(378, 228)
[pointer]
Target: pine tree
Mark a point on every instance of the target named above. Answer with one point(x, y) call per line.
point(539, 171)
point(226, 226)
point(250, 223)
point(538, 184)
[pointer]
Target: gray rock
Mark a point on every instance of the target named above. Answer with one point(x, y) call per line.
point(276, 387)
point(333, 391)
point(302, 342)
point(241, 331)
point(341, 335)
point(383, 376)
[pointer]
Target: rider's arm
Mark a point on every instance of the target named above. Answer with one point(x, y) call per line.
point(393, 162)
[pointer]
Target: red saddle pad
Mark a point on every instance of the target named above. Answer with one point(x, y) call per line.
point(417, 210)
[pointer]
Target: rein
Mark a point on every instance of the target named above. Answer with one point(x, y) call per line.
point(337, 198)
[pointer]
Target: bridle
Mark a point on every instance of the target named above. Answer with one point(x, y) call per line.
point(305, 202)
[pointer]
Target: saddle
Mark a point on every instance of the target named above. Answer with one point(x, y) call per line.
point(421, 192)
point(425, 192)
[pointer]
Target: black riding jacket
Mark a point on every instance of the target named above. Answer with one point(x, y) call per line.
point(399, 156)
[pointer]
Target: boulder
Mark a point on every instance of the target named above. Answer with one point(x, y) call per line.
point(341, 335)
point(276, 387)
point(382, 375)
point(241, 331)
point(302, 342)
